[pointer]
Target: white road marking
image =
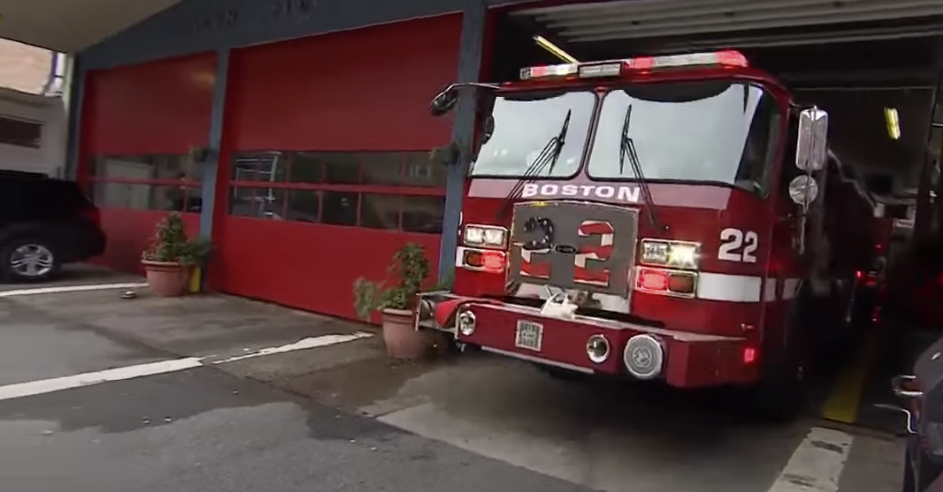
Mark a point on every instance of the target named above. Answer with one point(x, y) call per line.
point(70, 288)
point(32, 388)
point(307, 343)
point(817, 463)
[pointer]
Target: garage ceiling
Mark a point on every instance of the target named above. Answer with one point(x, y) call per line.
point(636, 19)
point(70, 26)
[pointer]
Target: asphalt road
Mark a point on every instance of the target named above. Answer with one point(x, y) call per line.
point(254, 408)
point(203, 430)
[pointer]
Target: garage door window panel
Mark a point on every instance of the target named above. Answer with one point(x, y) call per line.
point(162, 182)
point(341, 168)
point(423, 214)
point(306, 168)
point(304, 206)
point(379, 211)
point(340, 208)
point(421, 171)
point(260, 203)
point(396, 191)
point(261, 166)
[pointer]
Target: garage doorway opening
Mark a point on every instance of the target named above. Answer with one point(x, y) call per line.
point(877, 80)
point(862, 84)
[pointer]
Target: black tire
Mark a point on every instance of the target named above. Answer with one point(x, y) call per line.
point(561, 374)
point(909, 485)
point(7, 251)
point(927, 473)
point(781, 393)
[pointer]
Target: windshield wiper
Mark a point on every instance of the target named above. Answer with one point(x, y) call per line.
point(627, 149)
point(548, 156)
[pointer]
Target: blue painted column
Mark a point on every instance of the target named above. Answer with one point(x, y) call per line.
point(211, 166)
point(469, 63)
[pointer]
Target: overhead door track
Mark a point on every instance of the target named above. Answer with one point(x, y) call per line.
point(632, 19)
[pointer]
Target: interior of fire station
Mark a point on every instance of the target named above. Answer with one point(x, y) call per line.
point(879, 82)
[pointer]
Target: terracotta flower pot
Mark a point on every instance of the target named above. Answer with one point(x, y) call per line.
point(402, 339)
point(166, 279)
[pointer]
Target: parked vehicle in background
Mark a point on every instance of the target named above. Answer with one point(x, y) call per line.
point(922, 395)
point(44, 224)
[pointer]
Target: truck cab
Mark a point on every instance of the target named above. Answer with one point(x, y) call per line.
point(652, 218)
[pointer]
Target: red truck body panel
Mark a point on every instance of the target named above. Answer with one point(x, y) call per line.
point(744, 290)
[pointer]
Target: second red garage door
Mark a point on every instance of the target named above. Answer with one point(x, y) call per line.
point(326, 169)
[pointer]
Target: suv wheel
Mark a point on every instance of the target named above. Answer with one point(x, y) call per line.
point(28, 259)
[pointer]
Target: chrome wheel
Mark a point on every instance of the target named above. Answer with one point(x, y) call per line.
point(32, 261)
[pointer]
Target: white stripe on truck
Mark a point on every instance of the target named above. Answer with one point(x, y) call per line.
point(731, 288)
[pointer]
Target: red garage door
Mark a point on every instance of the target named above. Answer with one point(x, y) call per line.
point(138, 125)
point(327, 146)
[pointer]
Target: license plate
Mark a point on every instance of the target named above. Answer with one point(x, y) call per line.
point(530, 335)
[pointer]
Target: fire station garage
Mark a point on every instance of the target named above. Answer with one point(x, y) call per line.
point(296, 133)
point(321, 155)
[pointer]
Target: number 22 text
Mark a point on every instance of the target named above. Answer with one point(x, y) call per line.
point(737, 245)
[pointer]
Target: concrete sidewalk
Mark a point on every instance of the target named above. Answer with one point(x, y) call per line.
point(208, 325)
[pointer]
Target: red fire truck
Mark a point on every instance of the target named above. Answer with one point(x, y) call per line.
point(659, 218)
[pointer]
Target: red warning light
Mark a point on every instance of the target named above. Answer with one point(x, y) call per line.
point(652, 280)
point(749, 355)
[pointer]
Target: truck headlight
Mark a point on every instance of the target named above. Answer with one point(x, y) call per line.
point(486, 236)
point(674, 254)
point(466, 323)
point(597, 348)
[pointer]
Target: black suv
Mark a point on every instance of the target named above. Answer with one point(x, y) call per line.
point(44, 223)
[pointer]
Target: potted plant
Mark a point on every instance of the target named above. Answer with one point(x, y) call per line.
point(395, 299)
point(199, 153)
point(445, 155)
point(171, 255)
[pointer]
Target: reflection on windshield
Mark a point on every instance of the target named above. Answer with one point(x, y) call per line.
point(692, 131)
point(522, 128)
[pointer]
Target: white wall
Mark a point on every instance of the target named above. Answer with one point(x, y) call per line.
point(50, 157)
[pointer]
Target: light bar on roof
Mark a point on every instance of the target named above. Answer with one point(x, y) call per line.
point(648, 63)
point(549, 71)
point(717, 58)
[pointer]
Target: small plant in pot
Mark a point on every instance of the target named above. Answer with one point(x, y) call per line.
point(395, 298)
point(171, 255)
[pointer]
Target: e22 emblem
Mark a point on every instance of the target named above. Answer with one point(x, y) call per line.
point(731, 240)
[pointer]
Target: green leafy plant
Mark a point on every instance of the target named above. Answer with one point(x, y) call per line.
point(406, 273)
point(199, 153)
point(170, 243)
point(446, 155)
point(447, 280)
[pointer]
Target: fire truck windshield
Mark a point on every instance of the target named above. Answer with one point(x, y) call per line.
point(711, 131)
point(524, 124)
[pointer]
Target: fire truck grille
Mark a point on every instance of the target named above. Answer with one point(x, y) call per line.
point(574, 246)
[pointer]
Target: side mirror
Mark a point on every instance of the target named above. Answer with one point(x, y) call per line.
point(803, 190)
point(444, 101)
point(811, 146)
